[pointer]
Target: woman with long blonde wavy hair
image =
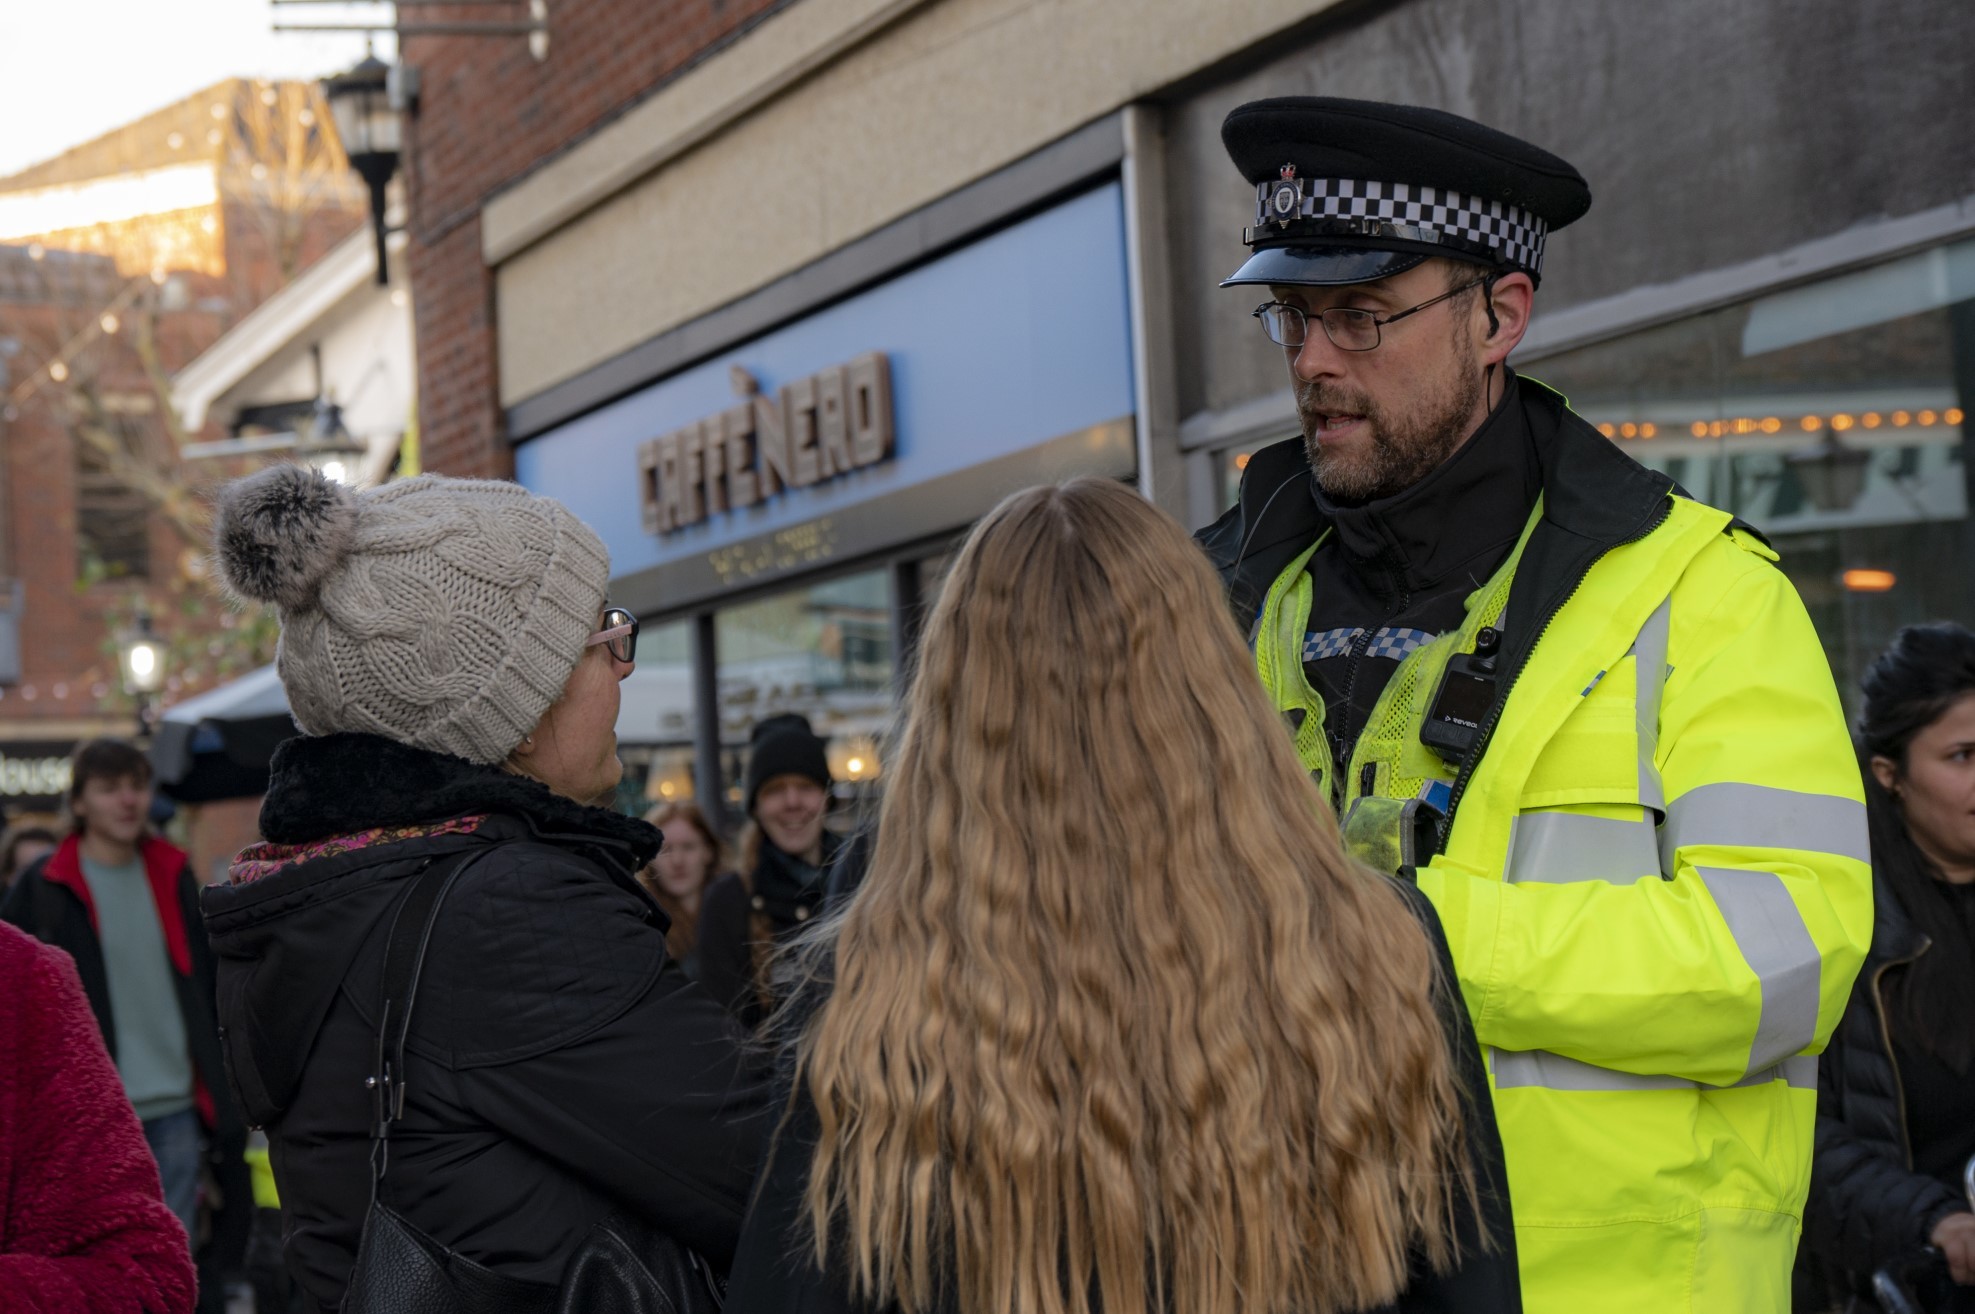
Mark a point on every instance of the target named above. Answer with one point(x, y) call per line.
point(1112, 1024)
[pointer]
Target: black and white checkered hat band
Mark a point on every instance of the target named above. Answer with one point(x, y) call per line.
point(1296, 207)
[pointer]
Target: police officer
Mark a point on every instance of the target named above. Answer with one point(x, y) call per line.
point(1585, 713)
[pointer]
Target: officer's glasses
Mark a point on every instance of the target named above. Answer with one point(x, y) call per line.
point(1347, 329)
point(620, 631)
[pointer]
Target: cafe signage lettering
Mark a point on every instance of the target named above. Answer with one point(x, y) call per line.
point(812, 430)
point(33, 777)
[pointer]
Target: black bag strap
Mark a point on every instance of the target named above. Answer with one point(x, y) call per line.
point(404, 964)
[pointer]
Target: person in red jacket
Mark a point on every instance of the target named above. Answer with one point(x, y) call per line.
point(123, 905)
point(83, 1222)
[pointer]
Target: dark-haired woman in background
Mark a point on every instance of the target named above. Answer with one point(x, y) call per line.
point(1896, 1109)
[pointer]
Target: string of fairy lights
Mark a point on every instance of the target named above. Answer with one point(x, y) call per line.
point(57, 368)
point(1744, 425)
point(107, 322)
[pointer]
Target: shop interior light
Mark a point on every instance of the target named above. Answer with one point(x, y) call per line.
point(854, 758)
point(1868, 581)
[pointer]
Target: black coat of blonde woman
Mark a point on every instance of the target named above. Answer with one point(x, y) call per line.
point(1112, 1023)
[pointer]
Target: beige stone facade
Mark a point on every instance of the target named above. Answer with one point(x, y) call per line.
point(827, 121)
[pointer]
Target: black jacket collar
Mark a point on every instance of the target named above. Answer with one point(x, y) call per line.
point(346, 783)
point(1468, 510)
point(1594, 498)
point(784, 883)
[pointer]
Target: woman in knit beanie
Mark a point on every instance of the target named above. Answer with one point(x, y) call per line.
point(453, 668)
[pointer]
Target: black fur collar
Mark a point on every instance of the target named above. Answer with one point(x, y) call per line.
point(342, 783)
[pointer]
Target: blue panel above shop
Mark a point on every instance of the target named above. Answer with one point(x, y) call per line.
point(1017, 344)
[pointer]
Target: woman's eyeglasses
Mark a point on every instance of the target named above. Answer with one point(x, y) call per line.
point(620, 631)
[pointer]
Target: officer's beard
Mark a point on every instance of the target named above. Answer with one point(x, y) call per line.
point(1398, 447)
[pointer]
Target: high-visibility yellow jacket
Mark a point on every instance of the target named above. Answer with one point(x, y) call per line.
point(1655, 880)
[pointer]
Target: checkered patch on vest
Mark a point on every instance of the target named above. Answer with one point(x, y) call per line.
point(1397, 642)
point(1507, 233)
point(1319, 644)
point(1392, 641)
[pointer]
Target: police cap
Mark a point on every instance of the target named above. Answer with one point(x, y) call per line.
point(1348, 191)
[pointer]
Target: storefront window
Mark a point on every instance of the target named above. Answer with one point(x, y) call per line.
point(1229, 464)
point(825, 651)
point(655, 720)
point(1830, 416)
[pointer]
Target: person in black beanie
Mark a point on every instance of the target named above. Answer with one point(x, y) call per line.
point(785, 853)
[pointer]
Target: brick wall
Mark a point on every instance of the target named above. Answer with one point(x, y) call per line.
point(489, 115)
point(66, 673)
point(70, 684)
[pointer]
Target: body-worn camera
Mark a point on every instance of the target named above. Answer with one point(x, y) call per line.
point(1467, 691)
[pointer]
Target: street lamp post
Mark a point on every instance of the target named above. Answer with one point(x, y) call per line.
point(1832, 474)
point(327, 445)
point(143, 670)
point(373, 135)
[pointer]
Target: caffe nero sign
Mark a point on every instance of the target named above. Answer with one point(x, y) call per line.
point(810, 431)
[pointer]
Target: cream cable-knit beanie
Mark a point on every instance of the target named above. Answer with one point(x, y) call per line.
point(443, 613)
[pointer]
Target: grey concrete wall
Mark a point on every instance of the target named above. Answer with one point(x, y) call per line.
point(1712, 132)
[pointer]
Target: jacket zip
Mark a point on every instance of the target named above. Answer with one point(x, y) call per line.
point(1475, 754)
point(1892, 1058)
point(1344, 743)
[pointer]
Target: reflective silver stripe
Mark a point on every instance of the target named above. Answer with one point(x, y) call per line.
point(1777, 946)
point(1537, 1067)
point(1559, 847)
point(1648, 675)
point(1759, 817)
point(1534, 1067)
point(1800, 1070)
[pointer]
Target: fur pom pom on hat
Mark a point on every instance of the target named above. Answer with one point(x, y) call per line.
point(442, 613)
point(281, 532)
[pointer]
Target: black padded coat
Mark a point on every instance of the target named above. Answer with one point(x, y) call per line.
point(1867, 1206)
point(560, 1064)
